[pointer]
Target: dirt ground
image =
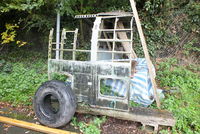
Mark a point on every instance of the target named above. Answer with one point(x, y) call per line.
point(111, 126)
point(115, 126)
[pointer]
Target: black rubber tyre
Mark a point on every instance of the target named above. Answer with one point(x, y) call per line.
point(54, 91)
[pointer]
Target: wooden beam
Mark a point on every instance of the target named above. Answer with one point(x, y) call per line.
point(146, 53)
point(127, 45)
point(147, 116)
point(33, 126)
point(114, 37)
point(105, 35)
point(63, 37)
point(50, 43)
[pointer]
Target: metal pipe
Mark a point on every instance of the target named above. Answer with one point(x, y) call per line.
point(57, 35)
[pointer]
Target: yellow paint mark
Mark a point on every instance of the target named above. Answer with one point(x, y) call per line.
point(33, 126)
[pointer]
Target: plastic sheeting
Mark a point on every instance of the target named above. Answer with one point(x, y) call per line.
point(141, 90)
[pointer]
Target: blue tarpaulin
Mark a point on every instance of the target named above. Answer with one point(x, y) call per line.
point(141, 90)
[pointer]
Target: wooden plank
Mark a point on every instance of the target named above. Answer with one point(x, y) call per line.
point(146, 53)
point(33, 126)
point(146, 116)
point(50, 43)
point(127, 45)
point(114, 37)
point(108, 43)
point(105, 35)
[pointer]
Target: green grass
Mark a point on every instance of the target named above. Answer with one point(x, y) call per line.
point(21, 75)
point(185, 103)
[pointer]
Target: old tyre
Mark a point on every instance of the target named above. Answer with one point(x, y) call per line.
point(54, 103)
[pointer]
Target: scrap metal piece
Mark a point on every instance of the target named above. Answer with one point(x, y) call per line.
point(115, 13)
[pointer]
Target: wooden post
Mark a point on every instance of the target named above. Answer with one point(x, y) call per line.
point(63, 37)
point(115, 38)
point(50, 43)
point(74, 43)
point(144, 46)
point(33, 126)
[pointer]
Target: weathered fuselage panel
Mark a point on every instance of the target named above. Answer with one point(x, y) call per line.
point(86, 79)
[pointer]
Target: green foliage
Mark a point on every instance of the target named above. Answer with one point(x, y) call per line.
point(7, 5)
point(5, 67)
point(158, 20)
point(58, 76)
point(24, 77)
point(133, 104)
point(41, 22)
point(189, 47)
point(193, 12)
point(185, 103)
point(92, 128)
point(154, 6)
point(107, 89)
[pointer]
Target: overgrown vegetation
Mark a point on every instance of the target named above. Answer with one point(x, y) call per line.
point(20, 76)
point(184, 103)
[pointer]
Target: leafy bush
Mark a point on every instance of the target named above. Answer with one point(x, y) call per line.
point(185, 103)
